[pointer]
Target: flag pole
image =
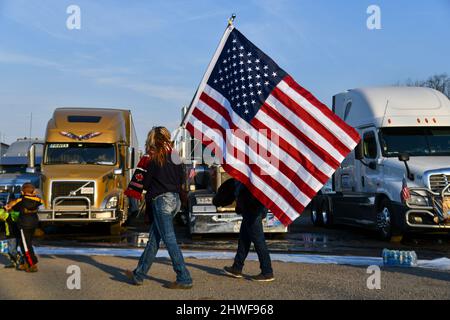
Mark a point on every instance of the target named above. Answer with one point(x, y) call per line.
point(209, 70)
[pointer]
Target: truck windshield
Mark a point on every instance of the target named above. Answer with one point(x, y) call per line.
point(80, 153)
point(426, 141)
point(12, 169)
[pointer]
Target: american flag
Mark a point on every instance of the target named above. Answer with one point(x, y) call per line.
point(245, 90)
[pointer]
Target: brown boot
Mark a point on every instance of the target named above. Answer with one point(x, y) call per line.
point(22, 267)
point(32, 269)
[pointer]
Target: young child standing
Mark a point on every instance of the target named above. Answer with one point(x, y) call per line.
point(12, 236)
point(27, 206)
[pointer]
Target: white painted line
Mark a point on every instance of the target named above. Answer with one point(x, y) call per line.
point(438, 264)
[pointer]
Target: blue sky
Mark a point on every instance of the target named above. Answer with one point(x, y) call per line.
point(149, 56)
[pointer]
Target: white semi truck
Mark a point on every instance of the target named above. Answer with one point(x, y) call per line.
point(397, 179)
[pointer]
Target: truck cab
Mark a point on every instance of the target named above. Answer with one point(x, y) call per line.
point(89, 155)
point(397, 179)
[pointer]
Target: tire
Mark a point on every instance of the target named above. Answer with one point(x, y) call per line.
point(326, 214)
point(316, 217)
point(384, 220)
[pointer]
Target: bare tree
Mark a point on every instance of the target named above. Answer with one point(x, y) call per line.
point(439, 82)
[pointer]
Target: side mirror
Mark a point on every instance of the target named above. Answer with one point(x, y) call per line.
point(359, 151)
point(403, 157)
point(131, 157)
point(32, 159)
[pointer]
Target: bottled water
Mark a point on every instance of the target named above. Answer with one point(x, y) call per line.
point(4, 246)
point(399, 258)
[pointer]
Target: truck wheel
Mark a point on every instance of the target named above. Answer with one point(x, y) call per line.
point(316, 217)
point(326, 215)
point(384, 220)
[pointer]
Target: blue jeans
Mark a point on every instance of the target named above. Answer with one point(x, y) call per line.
point(165, 207)
point(12, 246)
point(252, 231)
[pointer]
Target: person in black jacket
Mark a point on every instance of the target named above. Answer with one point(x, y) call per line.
point(252, 212)
point(27, 206)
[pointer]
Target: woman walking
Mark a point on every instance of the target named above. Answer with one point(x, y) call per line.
point(161, 174)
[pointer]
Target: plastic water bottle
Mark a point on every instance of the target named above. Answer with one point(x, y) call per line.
point(4, 247)
point(399, 258)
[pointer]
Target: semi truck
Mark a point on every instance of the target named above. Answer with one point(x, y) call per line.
point(13, 167)
point(89, 156)
point(204, 180)
point(397, 180)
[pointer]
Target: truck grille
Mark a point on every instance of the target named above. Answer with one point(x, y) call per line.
point(64, 188)
point(439, 182)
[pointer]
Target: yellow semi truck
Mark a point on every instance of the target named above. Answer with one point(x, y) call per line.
point(89, 157)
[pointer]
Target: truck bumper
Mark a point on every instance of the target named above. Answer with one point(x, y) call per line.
point(417, 219)
point(229, 222)
point(100, 215)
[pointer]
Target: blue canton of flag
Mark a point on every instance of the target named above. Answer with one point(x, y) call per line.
point(245, 75)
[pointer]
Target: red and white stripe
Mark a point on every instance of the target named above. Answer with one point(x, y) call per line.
point(305, 138)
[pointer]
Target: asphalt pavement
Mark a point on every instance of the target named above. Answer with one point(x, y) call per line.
point(102, 278)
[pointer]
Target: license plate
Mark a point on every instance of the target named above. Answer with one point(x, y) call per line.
point(87, 191)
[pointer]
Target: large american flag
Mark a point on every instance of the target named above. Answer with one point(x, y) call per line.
point(245, 90)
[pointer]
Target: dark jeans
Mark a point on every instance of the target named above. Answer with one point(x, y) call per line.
point(252, 231)
point(165, 207)
point(30, 259)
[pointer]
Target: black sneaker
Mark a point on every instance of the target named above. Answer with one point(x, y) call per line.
point(263, 278)
point(232, 272)
point(181, 286)
point(130, 275)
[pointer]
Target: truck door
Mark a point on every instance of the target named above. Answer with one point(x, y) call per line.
point(371, 175)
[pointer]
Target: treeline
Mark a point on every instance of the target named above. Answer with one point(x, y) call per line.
point(439, 82)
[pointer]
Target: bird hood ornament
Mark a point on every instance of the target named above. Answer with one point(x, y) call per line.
point(82, 137)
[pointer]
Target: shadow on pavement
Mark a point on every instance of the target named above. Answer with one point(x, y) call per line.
point(117, 274)
point(210, 270)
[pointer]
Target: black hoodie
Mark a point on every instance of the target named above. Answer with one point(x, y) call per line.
point(246, 203)
point(28, 207)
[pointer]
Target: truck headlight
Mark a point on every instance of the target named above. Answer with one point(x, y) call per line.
point(112, 202)
point(418, 200)
point(204, 200)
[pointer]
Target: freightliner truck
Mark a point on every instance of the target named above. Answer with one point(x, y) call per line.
point(397, 180)
point(89, 156)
